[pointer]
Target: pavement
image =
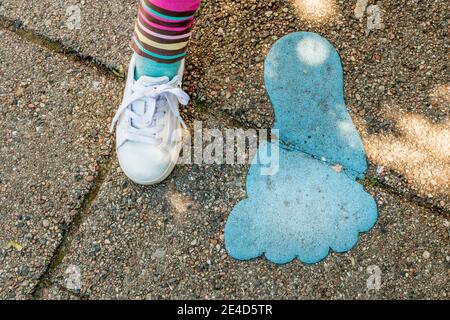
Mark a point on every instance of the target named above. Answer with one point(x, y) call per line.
point(73, 227)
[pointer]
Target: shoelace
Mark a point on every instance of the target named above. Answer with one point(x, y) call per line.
point(143, 128)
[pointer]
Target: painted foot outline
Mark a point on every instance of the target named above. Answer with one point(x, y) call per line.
point(313, 204)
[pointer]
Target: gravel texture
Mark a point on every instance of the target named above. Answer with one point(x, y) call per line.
point(104, 30)
point(396, 77)
point(53, 129)
point(167, 241)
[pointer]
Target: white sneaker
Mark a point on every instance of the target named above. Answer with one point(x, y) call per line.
point(149, 133)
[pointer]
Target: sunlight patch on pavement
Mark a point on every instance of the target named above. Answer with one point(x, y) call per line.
point(315, 10)
point(180, 205)
point(421, 153)
point(440, 94)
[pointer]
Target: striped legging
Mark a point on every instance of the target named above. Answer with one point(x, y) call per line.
point(163, 29)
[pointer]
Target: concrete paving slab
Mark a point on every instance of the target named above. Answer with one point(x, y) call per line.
point(166, 242)
point(395, 77)
point(394, 58)
point(53, 123)
point(99, 29)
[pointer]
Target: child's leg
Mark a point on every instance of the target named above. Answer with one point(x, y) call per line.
point(162, 31)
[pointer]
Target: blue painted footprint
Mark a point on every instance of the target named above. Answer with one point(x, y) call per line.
point(313, 204)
